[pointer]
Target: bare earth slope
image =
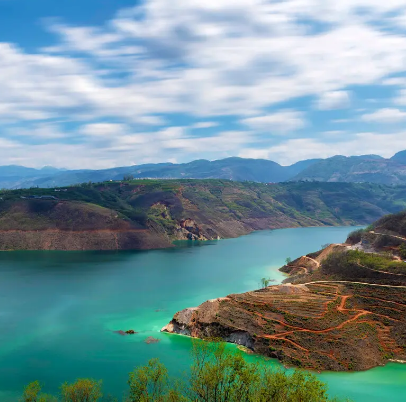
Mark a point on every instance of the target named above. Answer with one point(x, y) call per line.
point(71, 225)
point(339, 314)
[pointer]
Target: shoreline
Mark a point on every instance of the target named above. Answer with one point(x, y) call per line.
point(171, 245)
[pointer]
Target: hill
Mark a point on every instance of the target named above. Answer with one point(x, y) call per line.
point(343, 309)
point(356, 169)
point(400, 158)
point(143, 214)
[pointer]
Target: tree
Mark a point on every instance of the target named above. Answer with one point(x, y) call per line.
point(32, 393)
point(128, 177)
point(265, 282)
point(220, 376)
point(277, 386)
point(149, 383)
point(288, 260)
point(83, 390)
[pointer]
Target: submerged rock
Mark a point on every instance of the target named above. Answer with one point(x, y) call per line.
point(124, 333)
point(151, 339)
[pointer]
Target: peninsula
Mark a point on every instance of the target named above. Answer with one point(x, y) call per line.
point(342, 308)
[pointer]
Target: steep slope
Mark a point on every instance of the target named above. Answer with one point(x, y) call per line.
point(164, 210)
point(343, 310)
point(356, 169)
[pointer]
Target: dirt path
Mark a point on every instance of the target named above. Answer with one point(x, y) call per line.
point(312, 259)
point(377, 270)
point(357, 283)
point(385, 234)
point(341, 308)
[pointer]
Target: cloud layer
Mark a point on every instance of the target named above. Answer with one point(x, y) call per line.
point(187, 79)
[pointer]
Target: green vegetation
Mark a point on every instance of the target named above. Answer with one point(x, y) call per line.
point(355, 236)
point(265, 282)
point(402, 251)
point(128, 177)
point(85, 390)
point(216, 375)
point(288, 260)
point(377, 262)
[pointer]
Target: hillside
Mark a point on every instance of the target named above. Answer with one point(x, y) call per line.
point(357, 169)
point(143, 214)
point(342, 309)
point(400, 157)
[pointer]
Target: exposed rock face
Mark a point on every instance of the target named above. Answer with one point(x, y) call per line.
point(188, 229)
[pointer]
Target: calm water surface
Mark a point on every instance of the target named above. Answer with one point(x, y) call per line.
point(58, 310)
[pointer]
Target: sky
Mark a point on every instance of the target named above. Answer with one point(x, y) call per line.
point(105, 83)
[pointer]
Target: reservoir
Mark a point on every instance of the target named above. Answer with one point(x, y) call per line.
point(59, 310)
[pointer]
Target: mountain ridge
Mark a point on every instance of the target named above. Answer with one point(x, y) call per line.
point(364, 168)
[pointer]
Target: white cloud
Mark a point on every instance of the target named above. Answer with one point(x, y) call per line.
point(341, 121)
point(292, 150)
point(394, 81)
point(108, 145)
point(333, 100)
point(333, 133)
point(279, 123)
point(233, 58)
point(204, 124)
point(103, 129)
point(401, 97)
point(384, 116)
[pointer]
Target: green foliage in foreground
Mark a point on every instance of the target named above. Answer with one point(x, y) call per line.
point(216, 375)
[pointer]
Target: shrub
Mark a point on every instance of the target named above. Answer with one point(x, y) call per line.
point(402, 251)
point(355, 236)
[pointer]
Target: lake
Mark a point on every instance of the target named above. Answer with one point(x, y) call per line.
point(59, 310)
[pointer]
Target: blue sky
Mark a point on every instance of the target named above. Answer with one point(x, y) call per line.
point(103, 83)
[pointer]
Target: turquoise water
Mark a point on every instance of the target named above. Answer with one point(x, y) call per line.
point(58, 310)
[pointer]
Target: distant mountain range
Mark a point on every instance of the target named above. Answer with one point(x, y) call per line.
point(366, 168)
point(357, 169)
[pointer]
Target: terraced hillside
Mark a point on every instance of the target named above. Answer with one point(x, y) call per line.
point(143, 214)
point(337, 311)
